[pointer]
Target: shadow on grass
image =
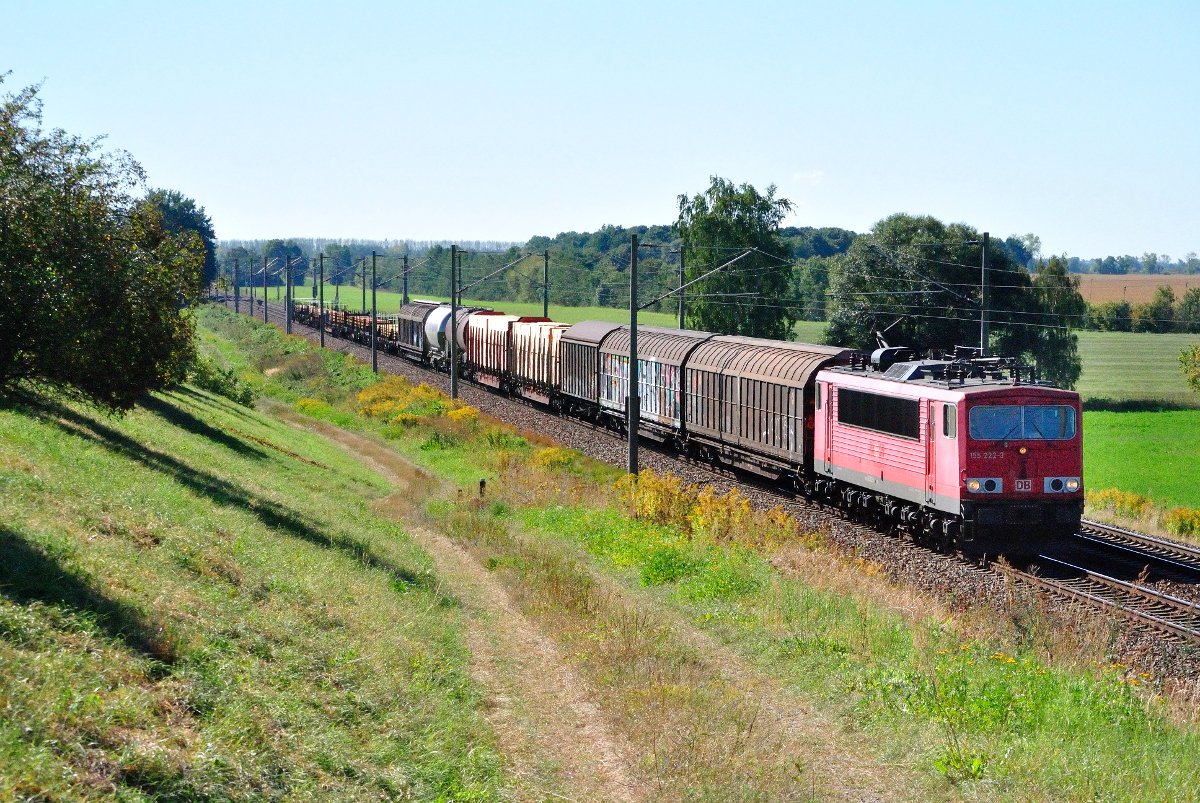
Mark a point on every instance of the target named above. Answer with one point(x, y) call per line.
point(221, 491)
point(28, 574)
point(214, 401)
point(183, 419)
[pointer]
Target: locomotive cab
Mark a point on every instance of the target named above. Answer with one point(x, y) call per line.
point(1022, 467)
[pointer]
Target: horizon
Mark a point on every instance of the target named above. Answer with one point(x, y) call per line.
point(1072, 122)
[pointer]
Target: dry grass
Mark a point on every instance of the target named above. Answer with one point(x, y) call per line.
point(1134, 288)
point(693, 730)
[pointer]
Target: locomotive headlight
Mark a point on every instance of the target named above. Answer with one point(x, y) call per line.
point(1022, 450)
point(972, 485)
point(1058, 485)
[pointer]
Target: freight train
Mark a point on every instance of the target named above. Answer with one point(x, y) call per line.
point(959, 453)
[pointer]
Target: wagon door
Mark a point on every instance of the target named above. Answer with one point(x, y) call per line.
point(930, 452)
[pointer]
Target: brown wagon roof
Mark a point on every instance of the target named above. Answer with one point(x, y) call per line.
point(417, 310)
point(590, 332)
point(774, 360)
point(670, 346)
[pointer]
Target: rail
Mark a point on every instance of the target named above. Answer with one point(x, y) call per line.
point(1161, 611)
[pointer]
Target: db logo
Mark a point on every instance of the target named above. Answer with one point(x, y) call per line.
point(1024, 485)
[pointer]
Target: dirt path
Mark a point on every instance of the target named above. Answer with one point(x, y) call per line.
point(554, 736)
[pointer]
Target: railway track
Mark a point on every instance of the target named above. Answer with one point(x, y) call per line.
point(1179, 558)
point(1146, 607)
point(1163, 612)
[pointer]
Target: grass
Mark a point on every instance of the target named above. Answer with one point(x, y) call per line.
point(1151, 454)
point(1130, 366)
point(967, 710)
point(199, 602)
point(889, 669)
point(1028, 705)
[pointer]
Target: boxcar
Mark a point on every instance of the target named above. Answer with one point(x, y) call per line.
point(749, 400)
point(579, 366)
point(661, 355)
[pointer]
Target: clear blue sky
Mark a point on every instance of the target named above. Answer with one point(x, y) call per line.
point(1076, 121)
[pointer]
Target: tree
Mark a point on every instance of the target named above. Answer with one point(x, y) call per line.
point(1150, 262)
point(180, 214)
point(276, 254)
point(1056, 294)
point(96, 283)
point(1187, 311)
point(919, 278)
point(1193, 264)
point(1158, 315)
point(713, 226)
point(1113, 316)
point(338, 262)
point(1189, 361)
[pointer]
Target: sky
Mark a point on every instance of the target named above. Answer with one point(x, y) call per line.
point(1079, 122)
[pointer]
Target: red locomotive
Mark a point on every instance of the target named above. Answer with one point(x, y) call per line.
point(959, 453)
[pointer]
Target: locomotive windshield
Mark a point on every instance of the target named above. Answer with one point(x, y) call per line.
point(1024, 422)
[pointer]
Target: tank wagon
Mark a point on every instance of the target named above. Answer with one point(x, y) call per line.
point(957, 452)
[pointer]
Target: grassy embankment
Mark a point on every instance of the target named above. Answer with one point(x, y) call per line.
point(688, 617)
point(199, 602)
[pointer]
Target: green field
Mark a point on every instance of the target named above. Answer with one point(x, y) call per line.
point(1155, 454)
point(1125, 366)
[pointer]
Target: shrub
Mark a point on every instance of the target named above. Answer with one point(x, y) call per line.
point(207, 375)
point(499, 438)
point(556, 458)
point(96, 287)
point(464, 415)
point(1122, 503)
point(313, 407)
point(439, 440)
point(727, 518)
point(395, 394)
point(1182, 521)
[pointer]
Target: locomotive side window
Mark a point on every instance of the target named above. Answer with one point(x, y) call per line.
point(819, 391)
point(949, 420)
point(1042, 422)
point(888, 414)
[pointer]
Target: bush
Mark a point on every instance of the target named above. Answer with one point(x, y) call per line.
point(1122, 503)
point(207, 375)
point(1182, 521)
point(1113, 316)
point(464, 415)
point(557, 458)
